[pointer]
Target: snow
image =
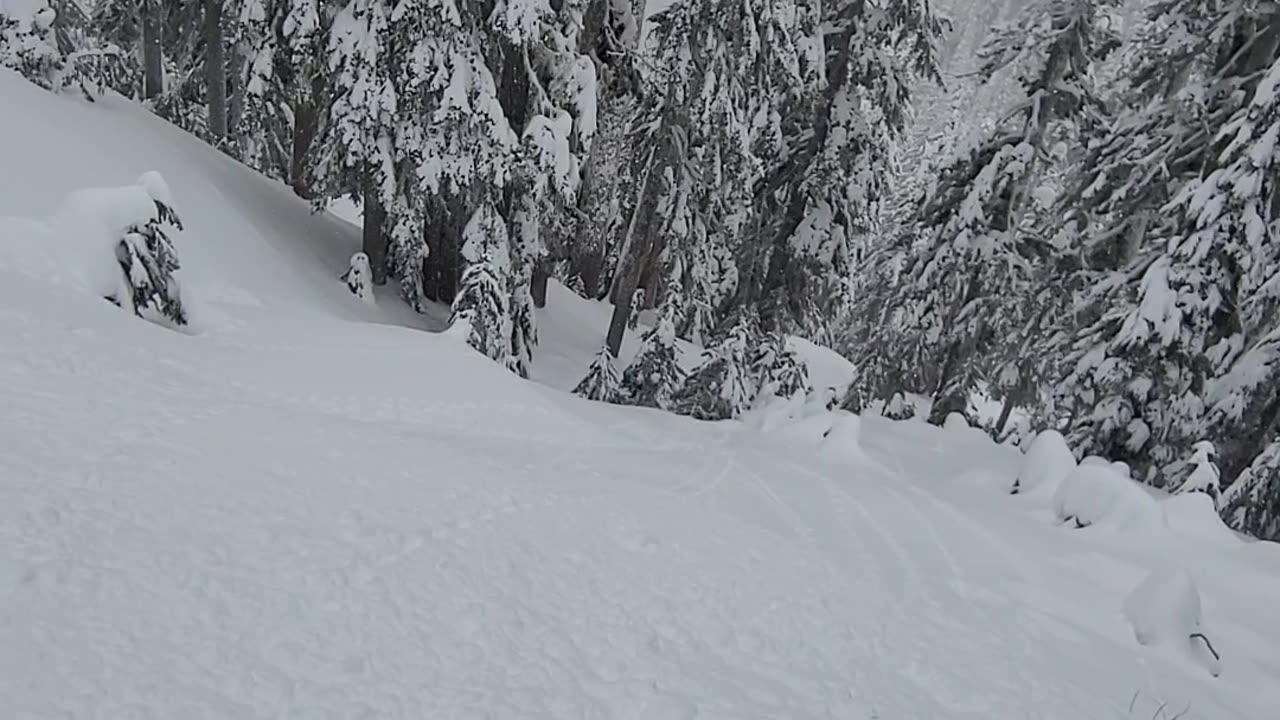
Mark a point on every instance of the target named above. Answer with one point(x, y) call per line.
point(1047, 463)
point(314, 509)
point(843, 440)
point(1194, 516)
point(1093, 494)
point(1165, 609)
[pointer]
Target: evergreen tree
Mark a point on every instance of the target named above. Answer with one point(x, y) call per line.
point(1204, 475)
point(27, 42)
point(148, 260)
point(969, 282)
point(722, 386)
point(829, 147)
point(359, 278)
point(1193, 295)
point(654, 375)
point(777, 369)
point(481, 311)
point(601, 382)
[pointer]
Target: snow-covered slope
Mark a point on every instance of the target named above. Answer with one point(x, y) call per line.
point(307, 511)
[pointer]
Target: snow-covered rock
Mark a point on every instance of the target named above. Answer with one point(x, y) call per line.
point(956, 421)
point(1047, 463)
point(1095, 495)
point(1165, 609)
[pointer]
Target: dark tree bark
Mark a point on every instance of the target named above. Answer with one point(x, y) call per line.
point(538, 285)
point(635, 249)
point(215, 69)
point(1003, 420)
point(444, 241)
point(152, 58)
point(374, 240)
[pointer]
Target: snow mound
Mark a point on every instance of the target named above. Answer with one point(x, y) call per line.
point(1165, 609)
point(827, 368)
point(1047, 463)
point(843, 440)
point(1095, 495)
point(1195, 516)
point(956, 421)
point(77, 246)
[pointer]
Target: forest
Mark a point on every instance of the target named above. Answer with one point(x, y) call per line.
point(1069, 207)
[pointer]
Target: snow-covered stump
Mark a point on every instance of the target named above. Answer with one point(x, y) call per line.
point(359, 278)
point(1047, 463)
point(1165, 609)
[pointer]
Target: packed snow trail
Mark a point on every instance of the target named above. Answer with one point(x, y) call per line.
point(303, 510)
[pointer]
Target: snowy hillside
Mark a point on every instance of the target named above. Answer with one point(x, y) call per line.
point(308, 507)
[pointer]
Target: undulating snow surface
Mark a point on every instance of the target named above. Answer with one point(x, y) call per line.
point(305, 510)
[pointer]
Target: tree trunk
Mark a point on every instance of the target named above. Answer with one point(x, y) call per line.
point(630, 260)
point(1003, 420)
point(374, 240)
point(538, 285)
point(444, 243)
point(152, 60)
point(215, 69)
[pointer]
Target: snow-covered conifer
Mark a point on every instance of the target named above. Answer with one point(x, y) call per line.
point(481, 311)
point(601, 382)
point(148, 260)
point(722, 386)
point(777, 368)
point(654, 375)
point(27, 43)
point(359, 278)
point(967, 285)
point(1204, 476)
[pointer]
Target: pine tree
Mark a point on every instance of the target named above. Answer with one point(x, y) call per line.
point(27, 42)
point(778, 370)
point(1192, 296)
point(829, 149)
point(601, 382)
point(654, 375)
point(723, 73)
point(359, 278)
point(969, 284)
point(1204, 475)
point(148, 260)
point(722, 386)
point(481, 311)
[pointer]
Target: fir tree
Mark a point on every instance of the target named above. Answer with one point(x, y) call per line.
point(148, 260)
point(969, 283)
point(654, 375)
point(777, 369)
point(1192, 298)
point(1204, 476)
point(722, 386)
point(601, 383)
point(27, 42)
point(481, 313)
point(359, 278)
